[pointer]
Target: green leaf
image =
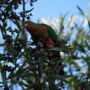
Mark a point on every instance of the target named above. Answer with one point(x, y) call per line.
point(61, 26)
point(52, 86)
point(22, 83)
point(16, 38)
point(5, 63)
point(26, 74)
point(81, 12)
point(88, 22)
point(87, 44)
point(3, 76)
point(63, 77)
point(56, 49)
point(81, 48)
point(63, 48)
point(26, 11)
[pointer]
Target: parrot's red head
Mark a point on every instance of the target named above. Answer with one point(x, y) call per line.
point(29, 25)
point(26, 25)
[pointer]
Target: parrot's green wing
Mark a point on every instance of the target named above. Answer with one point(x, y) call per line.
point(51, 33)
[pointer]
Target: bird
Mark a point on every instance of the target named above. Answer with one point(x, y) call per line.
point(42, 32)
point(47, 35)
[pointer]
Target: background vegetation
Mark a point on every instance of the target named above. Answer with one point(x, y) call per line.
point(29, 67)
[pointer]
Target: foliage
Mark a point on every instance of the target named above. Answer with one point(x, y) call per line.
point(30, 67)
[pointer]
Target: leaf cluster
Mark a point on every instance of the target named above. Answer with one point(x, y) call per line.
point(35, 67)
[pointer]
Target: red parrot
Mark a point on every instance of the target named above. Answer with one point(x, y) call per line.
point(43, 32)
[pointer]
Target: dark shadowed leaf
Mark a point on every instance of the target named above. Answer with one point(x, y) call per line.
point(26, 11)
point(87, 44)
point(81, 48)
point(80, 11)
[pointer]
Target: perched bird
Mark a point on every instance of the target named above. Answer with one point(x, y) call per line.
point(47, 34)
point(42, 32)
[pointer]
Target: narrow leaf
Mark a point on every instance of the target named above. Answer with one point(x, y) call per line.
point(81, 12)
point(26, 11)
point(87, 44)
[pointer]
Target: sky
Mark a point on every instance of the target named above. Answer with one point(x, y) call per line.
point(55, 8)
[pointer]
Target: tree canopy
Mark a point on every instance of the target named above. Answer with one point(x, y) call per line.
point(32, 67)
